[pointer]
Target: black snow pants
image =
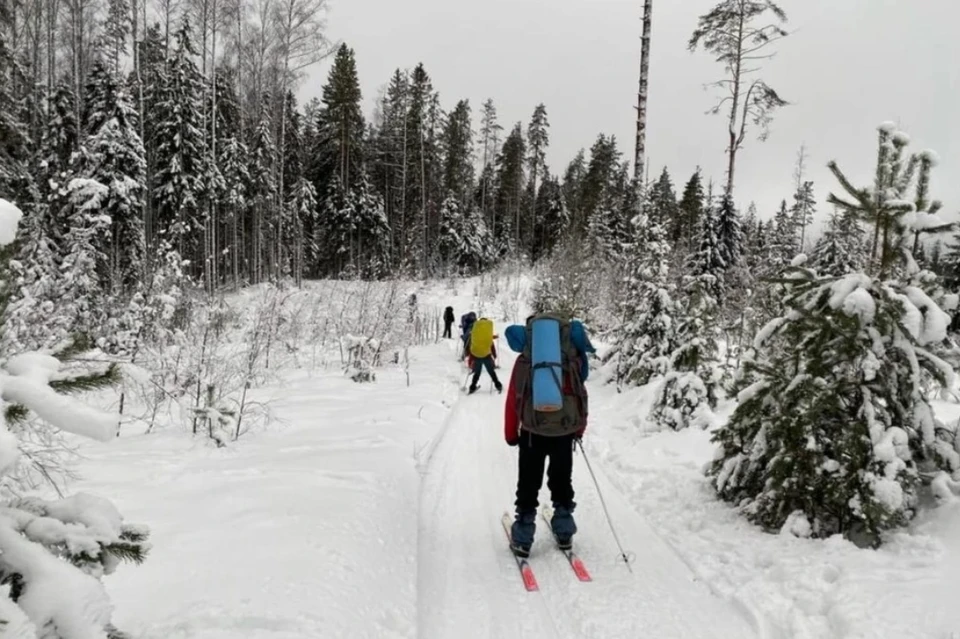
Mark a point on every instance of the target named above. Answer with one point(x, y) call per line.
point(448, 329)
point(534, 450)
point(481, 363)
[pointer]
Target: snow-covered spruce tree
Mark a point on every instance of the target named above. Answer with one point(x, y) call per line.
point(54, 553)
point(31, 320)
point(464, 242)
point(181, 161)
point(687, 395)
point(81, 296)
point(552, 217)
point(729, 235)
point(646, 338)
point(840, 249)
point(833, 422)
point(113, 155)
point(708, 256)
point(834, 432)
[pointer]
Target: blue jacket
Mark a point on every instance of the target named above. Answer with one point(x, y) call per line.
point(517, 340)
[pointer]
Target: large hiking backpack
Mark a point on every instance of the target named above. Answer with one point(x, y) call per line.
point(551, 398)
point(466, 323)
point(481, 338)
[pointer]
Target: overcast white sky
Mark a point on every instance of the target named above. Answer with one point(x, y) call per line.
point(847, 66)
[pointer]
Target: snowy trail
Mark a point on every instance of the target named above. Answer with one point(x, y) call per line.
point(468, 584)
point(373, 510)
point(466, 579)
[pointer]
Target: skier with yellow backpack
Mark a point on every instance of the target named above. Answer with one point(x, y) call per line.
point(482, 353)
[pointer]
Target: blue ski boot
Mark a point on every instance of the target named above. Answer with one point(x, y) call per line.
point(521, 533)
point(564, 528)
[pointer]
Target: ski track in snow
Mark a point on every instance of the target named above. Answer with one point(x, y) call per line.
point(469, 586)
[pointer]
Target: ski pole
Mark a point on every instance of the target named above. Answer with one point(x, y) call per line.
point(606, 512)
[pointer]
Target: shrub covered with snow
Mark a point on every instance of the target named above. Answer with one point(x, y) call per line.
point(833, 420)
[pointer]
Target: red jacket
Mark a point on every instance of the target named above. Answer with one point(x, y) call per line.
point(511, 420)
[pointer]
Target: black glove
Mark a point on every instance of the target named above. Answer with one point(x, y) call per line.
point(513, 442)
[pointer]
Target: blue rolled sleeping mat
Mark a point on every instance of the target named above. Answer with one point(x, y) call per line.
point(545, 360)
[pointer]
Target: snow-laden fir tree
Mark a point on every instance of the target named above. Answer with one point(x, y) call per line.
point(834, 431)
point(181, 157)
point(647, 336)
point(729, 232)
point(61, 140)
point(112, 154)
point(32, 319)
point(572, 187)
point(552, 217)
point(303, 208)
point(839, 250)
point(262, 191)
point(609, 227)
point(235, 197)
point(54, 553)
point(354, 231)
point(782, 243)
point(14, 134)
point(784, 240)
point(464, 242)
point(82, 296)
point(708, 262)
point(688, 393)
point(663, 201)
point(458, 153)
point(690, 212)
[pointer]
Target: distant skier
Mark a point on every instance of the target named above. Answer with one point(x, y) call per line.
point(544, 414)
point(482, 353)
point(448, 318)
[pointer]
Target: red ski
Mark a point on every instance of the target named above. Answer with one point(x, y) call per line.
point(526, 572)
point(579, 569)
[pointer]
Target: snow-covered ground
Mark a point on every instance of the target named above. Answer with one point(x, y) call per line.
point(373, 510)
point(791, 587)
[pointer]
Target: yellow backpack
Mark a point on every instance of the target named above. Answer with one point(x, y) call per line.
point(481, 338)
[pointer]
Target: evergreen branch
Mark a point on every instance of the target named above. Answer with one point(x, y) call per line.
point(861, 195)
point(16, 413)
point(88, 382)
point(130, 533)
point(132, 552)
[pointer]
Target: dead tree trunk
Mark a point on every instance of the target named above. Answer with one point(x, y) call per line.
point(641, 148)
